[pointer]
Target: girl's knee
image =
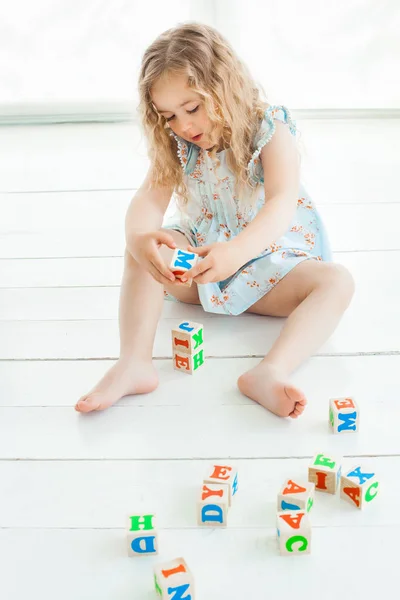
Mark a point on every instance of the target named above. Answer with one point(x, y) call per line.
point(341, 281)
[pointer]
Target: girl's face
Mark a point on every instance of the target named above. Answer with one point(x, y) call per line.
point(183, 109)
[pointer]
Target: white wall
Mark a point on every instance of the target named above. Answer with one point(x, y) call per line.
point(306, 54)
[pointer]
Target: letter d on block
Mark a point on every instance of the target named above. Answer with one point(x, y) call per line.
point(144, 545)
point(212, 513)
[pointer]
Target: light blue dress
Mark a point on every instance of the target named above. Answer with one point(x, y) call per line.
point(214, 214)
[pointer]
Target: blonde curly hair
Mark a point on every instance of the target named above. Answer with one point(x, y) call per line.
point(231, 99)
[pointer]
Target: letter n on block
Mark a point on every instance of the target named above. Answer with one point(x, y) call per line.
point(213, 505)
point(142, 535)
point(174, 581)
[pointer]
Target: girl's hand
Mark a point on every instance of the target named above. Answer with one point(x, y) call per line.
point(221, 260)
point(144, 248)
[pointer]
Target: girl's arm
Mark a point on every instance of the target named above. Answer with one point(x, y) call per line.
point(281, 165)
point(146, 210)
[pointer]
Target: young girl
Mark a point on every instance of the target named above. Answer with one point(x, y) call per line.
point(233, 163)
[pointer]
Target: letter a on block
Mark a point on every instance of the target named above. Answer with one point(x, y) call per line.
point(293, 488)
point(353, 493)
point(293, 520)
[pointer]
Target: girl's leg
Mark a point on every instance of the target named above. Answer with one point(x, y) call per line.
point(314, 296)
point(140, 306)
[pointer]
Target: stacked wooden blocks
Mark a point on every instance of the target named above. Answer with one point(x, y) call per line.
point(295, 500)
point(219, 487)
point(173, 580)
point(188, 346)
point(181, 262)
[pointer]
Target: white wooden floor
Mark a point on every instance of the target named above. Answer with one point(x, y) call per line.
point(68, 481)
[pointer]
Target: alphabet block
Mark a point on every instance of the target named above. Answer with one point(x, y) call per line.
point(174, 581)
point(213, 505)
point(223, 475)
point(359, 486)
point(181, 262)
point(293, 532)
point(187, 338)
point(142, 535)
point(325, 472)
point(296, 496)
point(344, 415)
point(188, 363)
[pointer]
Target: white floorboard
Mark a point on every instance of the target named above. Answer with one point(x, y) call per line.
point(226, 564)
point(69, 480)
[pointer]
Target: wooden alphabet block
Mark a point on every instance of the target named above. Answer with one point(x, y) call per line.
point(296, 496)
point(325, 472)
point(223, 475)
point(142, 535)
point(181, 262)
point(187, 338)
point(293, 532)
point(173, 580)
point(188, 363)
point(344, 415)
point(213, 505)
point(359, 486)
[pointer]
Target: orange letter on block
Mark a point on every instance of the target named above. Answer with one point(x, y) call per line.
point(220, 472)
point(293, 488)
point(207, 492)
point(181, 361)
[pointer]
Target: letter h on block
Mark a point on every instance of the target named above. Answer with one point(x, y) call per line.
point(358, 486)
point(188, 347)
point(344, 415)
point(142, 535)
point(174, 581)
point(293, 532)
point(181, 262)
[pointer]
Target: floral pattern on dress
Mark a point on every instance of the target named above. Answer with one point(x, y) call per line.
point(215, 214)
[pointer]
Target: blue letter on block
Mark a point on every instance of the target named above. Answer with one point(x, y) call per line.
point(235, 485)
point(148, 545)
point(287, 506)
point(362, 476)
point(349, 419)
point(183, 259)
point(213, 507)
point(185, 326)
point(179, 590)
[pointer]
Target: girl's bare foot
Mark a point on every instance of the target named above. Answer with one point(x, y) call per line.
point(125, 377)
point(270, 387)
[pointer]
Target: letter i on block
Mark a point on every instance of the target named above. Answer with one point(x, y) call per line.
point(142, 535)
point(188, 347)
point(174, 581)
point(325, 472)
point(296, 496)
point(344, 415)
point(213, 505)
point(223, 475)
point(181, 262)
point(294, 532)
point(359, 486)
